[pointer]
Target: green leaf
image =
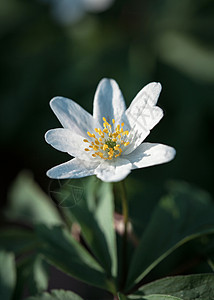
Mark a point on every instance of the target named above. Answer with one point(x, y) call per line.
point(158, 297)
point(57, 295)
point(63, 251)
point(28, 203)
point(188, 287)
point(31, 273)
point(95, 217)
point(17, 240)
point(122, 297)
point(149, 297)
point(211, 263)
point(7, 275)
point(182, 216)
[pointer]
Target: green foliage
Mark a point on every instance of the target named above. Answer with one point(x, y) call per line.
point(7, 275)
point(189, 287)
point(32, 272)
point(63, 251)
point(159, 297)
point(185, 214)
point(17, 240)
point(122, 297)
point(94, 214)
point(57, 295)
point(28, 203)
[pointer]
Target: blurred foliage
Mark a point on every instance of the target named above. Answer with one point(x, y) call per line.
point(133, 42)
point(7, 275)
point(82, 236)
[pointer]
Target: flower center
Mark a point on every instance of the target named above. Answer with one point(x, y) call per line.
point(109, 142)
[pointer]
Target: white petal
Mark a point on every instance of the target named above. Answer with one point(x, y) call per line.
point(108, 101)
point(115, 170)
point(72, 116)
point(74, 168)
point(149, 154)
point(143, 115)
point(66, 141)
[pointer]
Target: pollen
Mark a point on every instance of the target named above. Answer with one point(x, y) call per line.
point(105, 147)
point(107, 142)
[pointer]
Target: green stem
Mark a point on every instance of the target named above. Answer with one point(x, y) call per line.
point(125, 220)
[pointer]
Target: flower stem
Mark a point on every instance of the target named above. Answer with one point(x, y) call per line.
point(124, 242)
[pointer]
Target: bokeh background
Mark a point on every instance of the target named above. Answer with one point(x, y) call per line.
point(63, 48)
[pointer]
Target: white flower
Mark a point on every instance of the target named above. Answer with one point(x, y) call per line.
point(108, 144)
point(71, 11)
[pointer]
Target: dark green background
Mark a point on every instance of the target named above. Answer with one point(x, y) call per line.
point(134, 42)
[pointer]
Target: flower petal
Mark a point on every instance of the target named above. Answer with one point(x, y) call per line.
point(115, 170)
point(149, 154)
point(74, 168)
point(108, 101)
point(66, 141)
point(143, 115)
point(72, 116)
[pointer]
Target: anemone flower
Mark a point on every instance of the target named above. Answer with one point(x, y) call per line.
point(108, 144)
point(68, 12)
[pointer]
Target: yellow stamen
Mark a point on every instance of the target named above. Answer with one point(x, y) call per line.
point(95, 148)
point(125, 132)
point(100, 154)
point(91, 134)
point(105, 147)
